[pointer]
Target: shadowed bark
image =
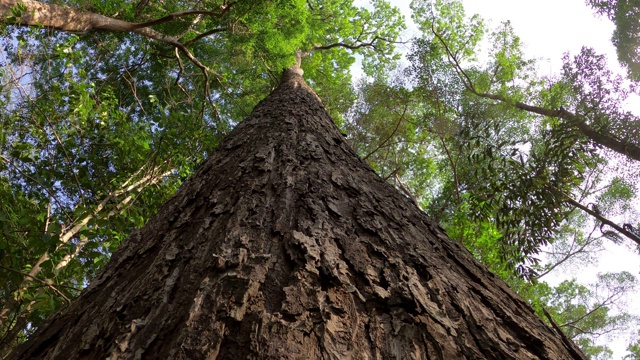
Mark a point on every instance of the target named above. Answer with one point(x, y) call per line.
point(285, 245)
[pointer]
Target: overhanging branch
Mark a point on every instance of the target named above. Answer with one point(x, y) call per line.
point(599, 217)
point(610, 142)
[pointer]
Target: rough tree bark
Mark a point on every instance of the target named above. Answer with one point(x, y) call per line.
point(285, 245)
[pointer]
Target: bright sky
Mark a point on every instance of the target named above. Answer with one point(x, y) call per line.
point(548, 29)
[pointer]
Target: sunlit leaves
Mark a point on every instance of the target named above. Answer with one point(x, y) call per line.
point(447, 19)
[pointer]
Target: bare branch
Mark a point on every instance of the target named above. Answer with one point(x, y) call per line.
point(178, 15)
point(370, 44)
point(596, 215)
point(205, 34)
point(569, 254)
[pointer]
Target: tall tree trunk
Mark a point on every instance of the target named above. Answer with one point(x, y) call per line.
point(285, 245)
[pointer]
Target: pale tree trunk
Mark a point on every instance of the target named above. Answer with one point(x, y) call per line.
point(285, 245)
point(68, 19)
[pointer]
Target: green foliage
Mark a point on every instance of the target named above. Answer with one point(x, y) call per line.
point(447, 18)
point(386, 130)
point(588, 314)
point(618, 197)
point(634, 350)
point(542, 160)
point(624, 14)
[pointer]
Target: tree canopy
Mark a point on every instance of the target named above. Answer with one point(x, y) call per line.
point(107, 107)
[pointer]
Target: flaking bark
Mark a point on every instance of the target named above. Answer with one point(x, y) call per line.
point(285, 245)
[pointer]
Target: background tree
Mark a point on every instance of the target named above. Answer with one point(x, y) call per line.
point(506, 177)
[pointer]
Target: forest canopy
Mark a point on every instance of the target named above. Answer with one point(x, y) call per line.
point(102, 118)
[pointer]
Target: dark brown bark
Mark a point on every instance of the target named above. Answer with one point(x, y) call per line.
point(285, 245)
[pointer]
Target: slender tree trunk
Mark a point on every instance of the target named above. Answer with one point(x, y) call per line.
point(285, 245)
point(67, 19)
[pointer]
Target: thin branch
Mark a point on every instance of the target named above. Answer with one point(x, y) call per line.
point(565, 339)
point(403, 187)
point(463, 75)
point(178, 15)
point(46, 189)
point(180, 71)
point(124, 203)
point(134, 91)
point(453, 168)
point(596, 308)
point(55, 134)
point(382, 144)
point(598, 216)
point(569, 253)
point(48, 284)
point(205, 34)
point(370, 44)
point(625, 148)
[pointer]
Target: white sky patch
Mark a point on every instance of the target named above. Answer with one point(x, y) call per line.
point(549, 28)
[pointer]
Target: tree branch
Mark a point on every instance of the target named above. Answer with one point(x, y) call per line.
point(67, 19)
point(630, 150)
point(569, 254)
point(205, 34)
point(600, 218)
point(46, 283)
point(180, 14)
point(145, 181)
point(565, 339)
point(596, 308)
point(370, 44)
